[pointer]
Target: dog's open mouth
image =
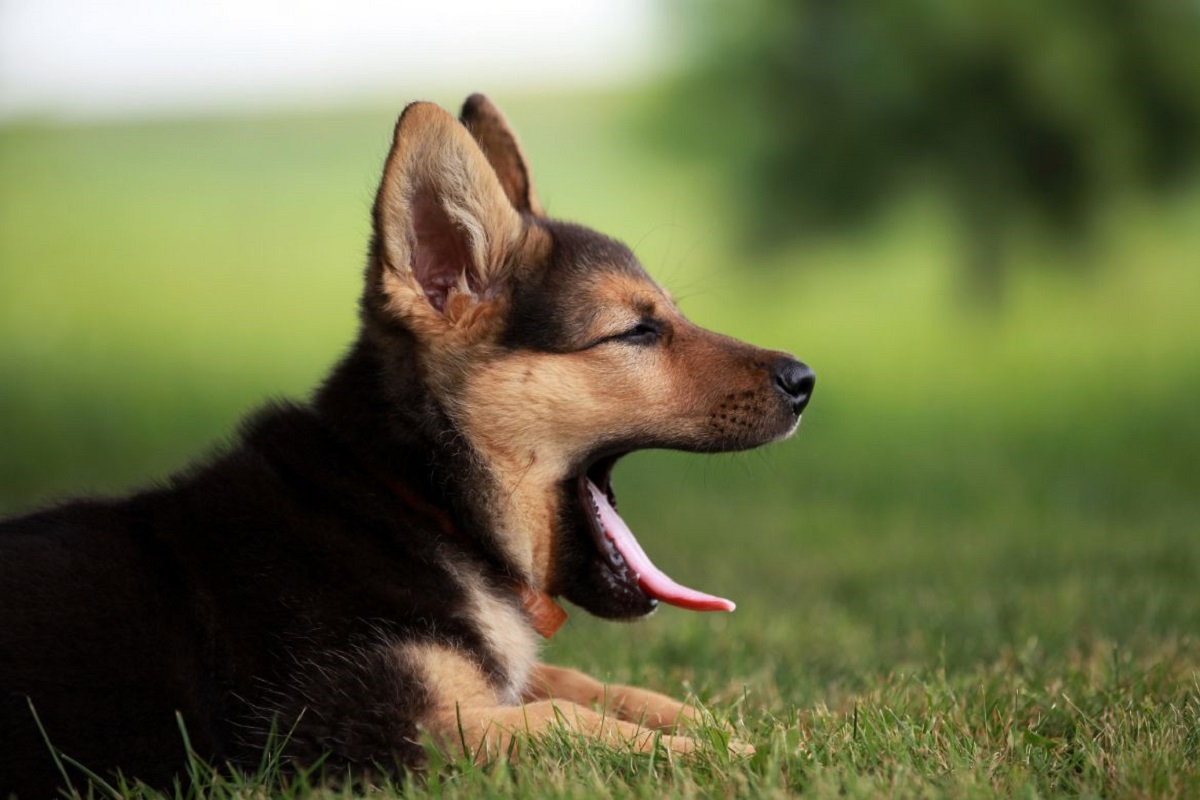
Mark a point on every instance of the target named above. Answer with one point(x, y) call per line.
point(621, 550)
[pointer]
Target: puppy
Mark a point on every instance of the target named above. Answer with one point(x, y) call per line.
point(378, 564)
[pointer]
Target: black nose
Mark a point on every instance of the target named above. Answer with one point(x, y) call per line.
point(796, 380)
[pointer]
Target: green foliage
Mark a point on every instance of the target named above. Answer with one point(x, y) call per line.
point(972, 573)
point(824, 111)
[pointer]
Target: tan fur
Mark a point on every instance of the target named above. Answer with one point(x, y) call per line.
point(498, 142)
point(489, 733)
point(511, 640)
point(647, 708)
point(534, 421)
point(622, 299)
point(433, 152)
point(451, 677)
point(464, 712)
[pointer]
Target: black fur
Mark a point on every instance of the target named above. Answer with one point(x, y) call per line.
point(256, 591)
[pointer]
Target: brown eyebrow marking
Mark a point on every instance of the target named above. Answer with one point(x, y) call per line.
point(639, 293)
point(645, 307)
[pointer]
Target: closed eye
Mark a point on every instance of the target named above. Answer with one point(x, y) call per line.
point(646, 332)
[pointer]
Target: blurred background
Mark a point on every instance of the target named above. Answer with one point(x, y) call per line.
point(979, 221)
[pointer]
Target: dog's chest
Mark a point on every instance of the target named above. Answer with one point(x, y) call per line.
point(510, 639)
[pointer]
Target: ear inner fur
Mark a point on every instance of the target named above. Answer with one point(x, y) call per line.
point(499, 143)
point(444, 224)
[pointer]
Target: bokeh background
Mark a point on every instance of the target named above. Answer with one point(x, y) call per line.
point(978, 220)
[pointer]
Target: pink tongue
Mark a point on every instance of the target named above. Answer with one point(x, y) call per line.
point(651, 579)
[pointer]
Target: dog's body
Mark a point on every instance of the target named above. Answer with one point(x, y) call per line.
point(375, 565)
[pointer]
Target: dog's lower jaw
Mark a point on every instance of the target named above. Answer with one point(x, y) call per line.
point(790, 432)
point(599, 591)
point(584, 576)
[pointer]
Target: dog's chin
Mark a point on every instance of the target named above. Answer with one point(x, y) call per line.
point(598, 589)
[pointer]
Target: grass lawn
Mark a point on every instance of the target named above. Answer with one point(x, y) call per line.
point(973, 572)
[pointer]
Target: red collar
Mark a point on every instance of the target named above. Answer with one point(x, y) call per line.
point(547, 615)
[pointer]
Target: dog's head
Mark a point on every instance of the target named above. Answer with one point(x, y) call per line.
point(551, 353)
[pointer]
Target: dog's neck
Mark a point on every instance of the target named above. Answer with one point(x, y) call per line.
point(546, 615)
point(382, 421)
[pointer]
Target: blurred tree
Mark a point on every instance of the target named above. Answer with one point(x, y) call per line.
point(824, 110)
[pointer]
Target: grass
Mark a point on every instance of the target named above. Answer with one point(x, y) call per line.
point(972, 574)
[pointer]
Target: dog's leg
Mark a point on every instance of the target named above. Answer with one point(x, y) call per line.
point(488, 732)
point(651, 709)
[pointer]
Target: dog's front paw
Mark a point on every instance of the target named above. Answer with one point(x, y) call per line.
point(741, 749)
point(702, 725)
point(696, 718)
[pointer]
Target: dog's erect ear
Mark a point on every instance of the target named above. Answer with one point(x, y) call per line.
point(444, 227)
point(503, 151)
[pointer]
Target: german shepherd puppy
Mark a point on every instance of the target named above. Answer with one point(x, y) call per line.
point(376, 565)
